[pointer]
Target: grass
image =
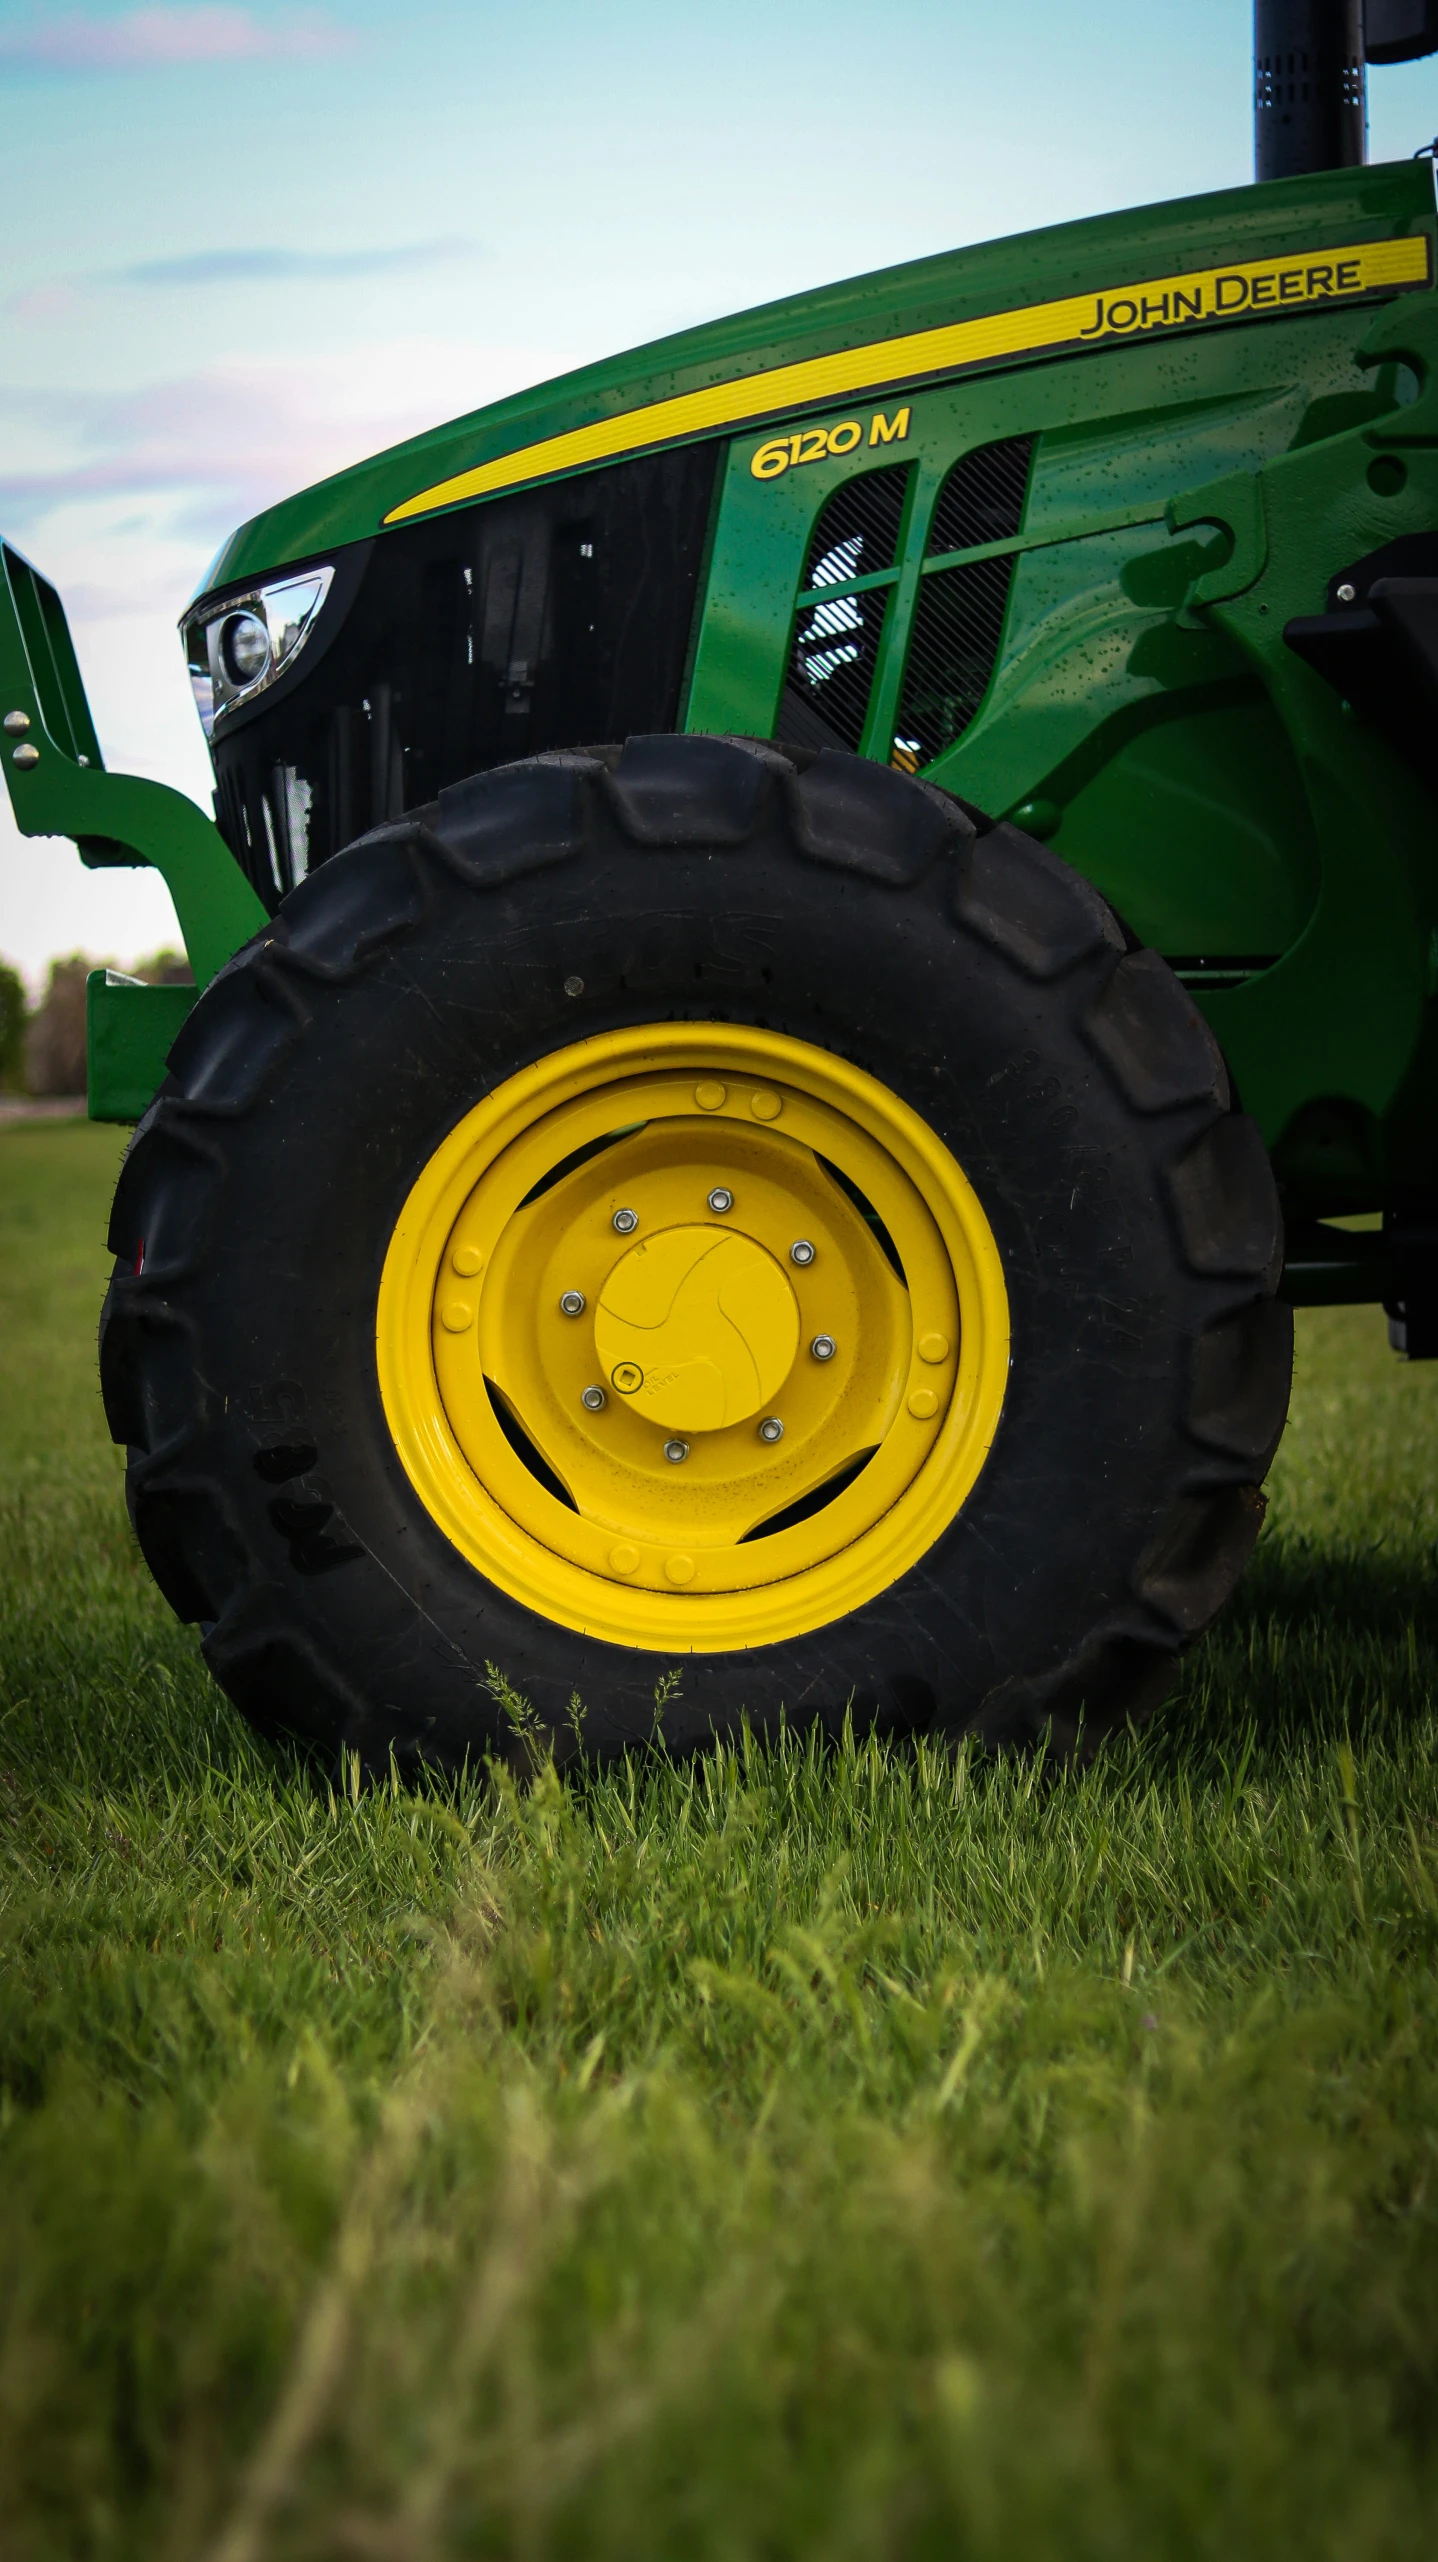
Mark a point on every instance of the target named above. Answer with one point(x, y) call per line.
point(862, 2155)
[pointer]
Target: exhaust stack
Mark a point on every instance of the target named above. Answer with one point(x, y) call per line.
point(1310, 106)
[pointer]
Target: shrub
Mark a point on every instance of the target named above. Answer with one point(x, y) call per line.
point(13, 1010)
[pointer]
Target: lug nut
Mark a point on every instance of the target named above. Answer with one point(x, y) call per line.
point(1346, 593)
point(801, 1252)
point(823, 1347)
point(721, 1199)
point(572, 1303)
point(675, 1451)
point(625, 1222)
point(593, 1399)
point(772, 1428)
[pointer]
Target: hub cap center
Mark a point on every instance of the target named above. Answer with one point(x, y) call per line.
point(707, 1320)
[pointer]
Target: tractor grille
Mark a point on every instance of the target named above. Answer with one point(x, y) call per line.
point(538, 621)
point(959, 617)
point(982, 501)
point(857, 530)
point(958, 624)
point(836, 638)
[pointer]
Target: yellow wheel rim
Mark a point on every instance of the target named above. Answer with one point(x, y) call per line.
point(630, 1264)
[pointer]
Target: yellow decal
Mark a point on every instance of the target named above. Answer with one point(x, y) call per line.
point(816, 444)
point(1247, 290)
point(889, 431)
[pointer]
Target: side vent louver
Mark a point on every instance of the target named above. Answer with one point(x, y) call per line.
point(982, 501)
point(836, 638)
point(959, 617)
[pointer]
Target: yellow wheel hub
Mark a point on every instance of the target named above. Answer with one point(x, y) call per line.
point(698, 1328)
point(692, 1337)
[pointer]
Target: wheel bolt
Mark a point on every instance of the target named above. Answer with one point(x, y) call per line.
point(772, 1428)
point(823, 1347)
point(572, 1303)
point(720, 1199)
point(801, 1252)
point(675, 1451)
point(593, 1399)
point(625, 1222)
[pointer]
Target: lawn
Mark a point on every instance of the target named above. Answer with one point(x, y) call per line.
point(852, 2155)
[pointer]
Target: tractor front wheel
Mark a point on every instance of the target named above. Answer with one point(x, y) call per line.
point(705, 1210)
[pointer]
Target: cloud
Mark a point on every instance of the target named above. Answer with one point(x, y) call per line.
point(160, 38)
point(199, 454)
point(282, 266)
point(66, 298)
point(62, 299)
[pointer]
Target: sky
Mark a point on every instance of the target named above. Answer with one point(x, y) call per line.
point(246, 245)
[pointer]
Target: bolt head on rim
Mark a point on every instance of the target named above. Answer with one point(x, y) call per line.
point(625, 1222)
point(676, 1452)
point(593, 1400)
point(572, 1303)
point(720, 1199)
point(801, 1252)
point(772, 1428)
point(823, 1347)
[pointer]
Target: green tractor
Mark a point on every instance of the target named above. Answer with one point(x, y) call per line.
point(781, 916)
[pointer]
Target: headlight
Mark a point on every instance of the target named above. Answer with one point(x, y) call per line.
point(245, 652)
point(236, 649)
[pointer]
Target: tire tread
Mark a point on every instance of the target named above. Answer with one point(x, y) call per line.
point(1044, 922)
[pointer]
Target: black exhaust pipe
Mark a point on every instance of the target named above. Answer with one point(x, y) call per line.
point(1310, 109)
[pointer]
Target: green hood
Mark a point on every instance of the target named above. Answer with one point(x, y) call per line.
point(1299, 215)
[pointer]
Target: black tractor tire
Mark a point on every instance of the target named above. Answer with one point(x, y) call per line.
point(696, 879)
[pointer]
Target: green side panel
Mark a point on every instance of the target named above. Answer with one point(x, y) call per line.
point(1122, 435)
point(128, 1033)
point(58, 785)
point(1197, 829)
point(1144, 714)
point(1283, 218)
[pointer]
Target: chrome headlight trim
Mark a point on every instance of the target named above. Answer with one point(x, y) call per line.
point(286, 609)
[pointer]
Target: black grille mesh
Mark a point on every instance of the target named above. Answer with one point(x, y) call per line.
point(464, 641)
point(858, 528)
point(958, 624)
point(982, 501)
point(836, 642)
point(831, 670)
point(959, 617)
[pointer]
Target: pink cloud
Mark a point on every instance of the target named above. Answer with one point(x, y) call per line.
point(210, 449)
point(229, 441)
point(146, 39)
point(58, 301)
